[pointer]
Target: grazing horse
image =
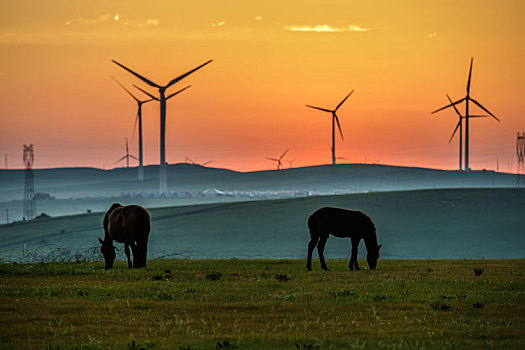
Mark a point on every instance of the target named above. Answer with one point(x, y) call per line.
point(342, 223)
point(129, 225)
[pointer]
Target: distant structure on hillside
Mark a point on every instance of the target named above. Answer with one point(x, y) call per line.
point(29, 188)
point(278, 161)
point(5, 156)
point(520, 152)
point(127, 156)
point(466, 117)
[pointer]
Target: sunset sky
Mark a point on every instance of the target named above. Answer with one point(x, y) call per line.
point(270, 58)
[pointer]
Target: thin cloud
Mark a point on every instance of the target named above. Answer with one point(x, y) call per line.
point(432, 35)
point(218, 24)
point(325, 28)
point(107, 18)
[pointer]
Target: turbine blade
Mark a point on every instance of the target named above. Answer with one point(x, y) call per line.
point(450, 105)
point(343, 101)
point(483, 108)
point(282, 155)
point(275, 160)
point(121, 159)
point(339, 126)
point(178, 92)
point(208, 162)
point(131, 156)
point(478, 116)
point(319, 108)
point(454, 107)
point(122, 86)
point(147, 81)
point(135, 124)
point(456, 129)
point(144, 91)
point(469, 75)
point(180, 77)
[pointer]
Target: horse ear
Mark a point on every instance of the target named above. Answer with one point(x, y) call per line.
point(100, 240)
point(379, 246)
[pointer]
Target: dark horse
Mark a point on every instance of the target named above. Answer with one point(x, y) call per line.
point(342, 223)
point(129, 225)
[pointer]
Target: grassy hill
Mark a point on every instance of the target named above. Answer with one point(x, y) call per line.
point(79, 189)
point(448, 223)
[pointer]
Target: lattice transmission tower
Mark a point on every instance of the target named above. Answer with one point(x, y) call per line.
point(29, 188)
point(520, 152)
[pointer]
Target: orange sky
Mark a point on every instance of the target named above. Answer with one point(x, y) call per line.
point(270, 59)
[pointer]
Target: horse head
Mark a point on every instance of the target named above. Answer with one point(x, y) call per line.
point(372, 257)
point(108, 250)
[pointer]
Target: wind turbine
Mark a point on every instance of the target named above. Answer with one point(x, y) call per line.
point(162, 99)
point(460, 126)
point(139, 120)
point(334, 120)
point(127, 156)
point(188, 160)
point(467, 115)
point(278, 160)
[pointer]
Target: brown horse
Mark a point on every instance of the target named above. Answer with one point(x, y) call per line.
point(342, 223)
point(129, 225)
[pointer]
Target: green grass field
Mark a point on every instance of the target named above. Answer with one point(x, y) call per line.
point(270, 304)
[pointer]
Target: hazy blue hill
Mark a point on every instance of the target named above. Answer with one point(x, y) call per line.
point(90, 182)
point(445, 223)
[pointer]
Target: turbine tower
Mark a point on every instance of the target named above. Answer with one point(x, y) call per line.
point(127, 156)
point(467, 99)
point(278, 160)
point(162, 99)
point(139, 120)
point(334, 120)
point(29, 188)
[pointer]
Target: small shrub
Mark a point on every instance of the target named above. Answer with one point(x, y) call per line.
point(82, 293)
point(281, 277)
point(429, 270)
point(187, 347)
point(190, 291)
point(341, 293)
point(309, 345)
point(167, 271)
point(214, 276)
point(440, 305)
point(478, 305)
point(226, 344)
point(478, 271)
point(378, 298)
point(164, 296)
point(461, 296)
point(267, 268)
point(146, 346)
point(156, 278)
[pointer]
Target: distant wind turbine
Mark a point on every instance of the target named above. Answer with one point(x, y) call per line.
point(460, 126)
point(127, 156)
point(334, 120)
point(290, 162)
point(467, 115)
point(162, 90)
point(278, 160)
point(188, 160)
point(139, 120)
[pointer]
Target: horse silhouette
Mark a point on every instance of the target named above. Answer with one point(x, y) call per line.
point(342, 223)
point(129, 225)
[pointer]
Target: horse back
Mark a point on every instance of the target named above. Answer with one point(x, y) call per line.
point(127, 224)
point(340, 223)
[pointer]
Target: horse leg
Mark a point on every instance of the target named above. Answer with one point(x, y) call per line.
point(311, 247)
point(320, 250)
point(353, 258)
point(126, 250)
point(136, 261)
point(142, 253)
